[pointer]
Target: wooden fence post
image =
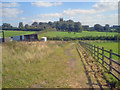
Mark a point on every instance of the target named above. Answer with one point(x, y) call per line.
point(3, 40)
point(110, 64)
point(103, 56)
point(94, 52)
point(98, 53)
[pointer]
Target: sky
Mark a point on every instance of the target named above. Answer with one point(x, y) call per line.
point(88, 13)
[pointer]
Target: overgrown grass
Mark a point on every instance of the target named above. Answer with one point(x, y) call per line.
point(27, 64)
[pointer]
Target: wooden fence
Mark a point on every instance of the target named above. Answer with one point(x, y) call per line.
point(104, 57)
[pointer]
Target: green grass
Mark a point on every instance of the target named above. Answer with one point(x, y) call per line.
point(107, 46)
point(17, 33)
point(26, 64)
point(82, 34)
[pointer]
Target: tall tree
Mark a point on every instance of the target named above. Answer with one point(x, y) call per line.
point(64, 26)
point(27, 26)
point(70, 27)
point(106, 29)
point(20, 25)
point(98, 27)
point(78, 27)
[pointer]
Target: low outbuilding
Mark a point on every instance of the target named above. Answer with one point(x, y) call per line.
point(31, 37)
point(18, 38)
point(44, 39)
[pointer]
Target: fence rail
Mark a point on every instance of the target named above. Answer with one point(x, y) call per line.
point(106, 61)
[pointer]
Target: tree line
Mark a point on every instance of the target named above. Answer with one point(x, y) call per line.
point(61, 25)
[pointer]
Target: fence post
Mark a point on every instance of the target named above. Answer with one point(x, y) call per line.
point(103, 56)
point(3, 40)
point(98, 53)
point(110, 64)
point(94, 52)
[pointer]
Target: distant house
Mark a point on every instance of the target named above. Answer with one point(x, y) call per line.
point(44, 39)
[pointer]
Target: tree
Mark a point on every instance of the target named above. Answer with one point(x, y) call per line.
point(70, 27)
point(34, 23)
point(21, 25)
point(40, 23)
point(98, 27)
point(50, 23)
point(106, 28)
point(6, 26)
point(86, 27)
point(77, 27)
point(58, 25)
point(64, 26)
point(27, 26)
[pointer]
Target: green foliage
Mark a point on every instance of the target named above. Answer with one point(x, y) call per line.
point(6, 26)
point(21, 25)
point(98, 27)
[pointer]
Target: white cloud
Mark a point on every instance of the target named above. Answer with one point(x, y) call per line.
point(97, 8)
point(57, 3)
point(50, 15)
point(23, 18)
point(10, 4)
point(46, 4)
point(77, 11)
point(11, 12)
point(105, 6)
point(100, 19)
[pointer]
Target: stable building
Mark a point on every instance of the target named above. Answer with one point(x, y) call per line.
point(30, 37)
point(18, 38)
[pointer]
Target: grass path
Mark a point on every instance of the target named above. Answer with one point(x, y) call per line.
point(64, 66)
point(64, 69)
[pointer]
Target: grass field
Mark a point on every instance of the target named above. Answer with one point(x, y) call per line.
point(107, 46)
point(57, 33)
point(17, 33)
point(82, 34)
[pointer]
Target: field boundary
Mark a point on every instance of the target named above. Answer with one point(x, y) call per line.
point(95, 52)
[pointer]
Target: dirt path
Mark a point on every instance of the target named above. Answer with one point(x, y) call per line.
point(72, 61)
point(77, 78)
